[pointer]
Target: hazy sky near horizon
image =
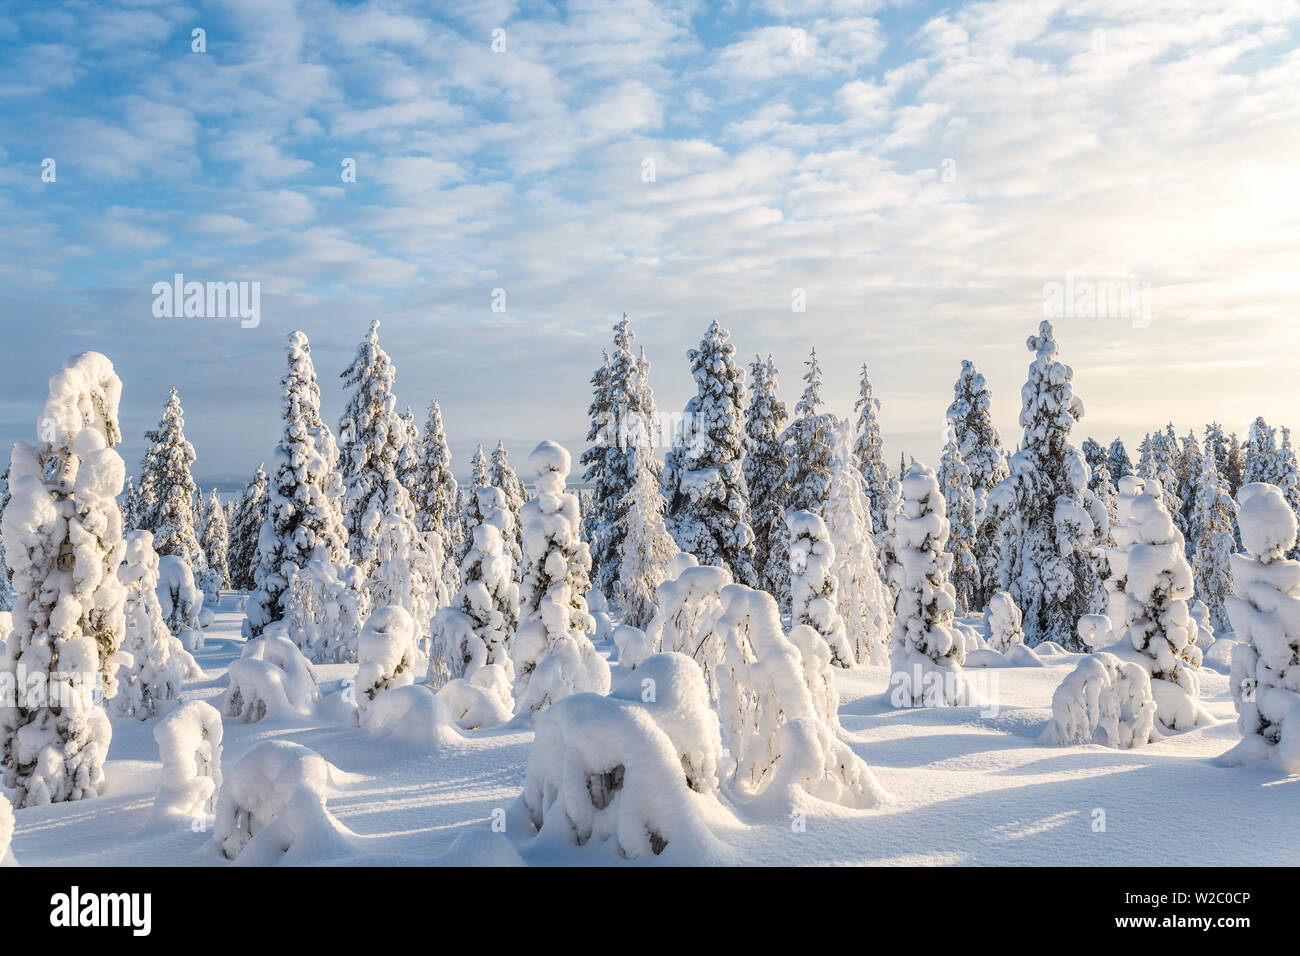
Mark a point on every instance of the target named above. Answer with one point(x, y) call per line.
point(919, 174)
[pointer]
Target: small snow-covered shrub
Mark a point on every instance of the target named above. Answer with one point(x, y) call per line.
point(272, 807)
point(411, 716)
point(180, 600)
point(814, 588)
point(189, 743)
point(6, 832)
point(1095, 631)
point(1103, 700)
point(481, 700)
point(1002, 623)
point(603, 769)
point(386, 650)
point(763, 684)
point(689, 606)
point(1265, 615)
point(271, 679)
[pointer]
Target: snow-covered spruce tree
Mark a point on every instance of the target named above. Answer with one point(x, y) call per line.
point(478, 627)
point(6, 575)
point(623, 420)
point(553, 655)
point(1119, 462)
point(809, 445)
point(1265, 614)
point(151, 684)
point(1189, 477)
point(645, 543)
point(1261, 461)
point(170, 515)
point(1157, 620)
point(371, 437)
point(1105, 492)
point(1098, 459)
point(1160, 462)
point(1214, 520)
point(970, 424)
point(1046, 504)
point(408, 459)
point(434, 496)
point(865, 603)
point(303, 520)
point(405, 569)
point(869, 451)
point(927, 651)
point(64, 532)
point(215, 541)
point(126, 503)
point(245, 528)
point(1289, 480)
point(470, 516)
point(1233, 467)
point(501, 475)
point(955, 483)
point(814, 589)
point(704, 485)
point(764, 469)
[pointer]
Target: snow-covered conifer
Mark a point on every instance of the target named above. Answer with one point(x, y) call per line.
point(814, 588)
point(1157, 618)
point(865, 603)
point(170, 515)
point(1118, 460)
point(704, 485)
point(1002, 623)
point(1054, 519)
point(1103, 700)
point(1261, 461)
point(959, 495)
point(434, 495)
point(303, 520)
point(764, 469)
point(1265, 614)
point(927, 651)
point(777, 709)
point(623, 421)
point(1214, 520)
point(1233, 467)
point(478, 627)
point(214, 539)
point(553, 655)
point(869, 451)
point(245, 528)
point(64, 534)
point(502, 475)
point(645, 543)
point(151, 684)
point(978, 440)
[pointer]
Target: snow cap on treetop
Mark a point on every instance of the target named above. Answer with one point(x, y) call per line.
point(84, 392)
point(548, 456)
point(1268, 525)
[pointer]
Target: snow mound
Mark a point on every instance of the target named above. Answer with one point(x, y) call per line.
point(673, 692)
point(1095, 630)
point(271, 679)
point(178, 596)
point(272, 808)
point(1103, 700)
point(633, 645)
point(481, 700)
point(602, 770)
point(412, 717)
point(1002, 622)
point(189, 743)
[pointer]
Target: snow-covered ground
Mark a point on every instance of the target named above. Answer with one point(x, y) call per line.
point(968, 786)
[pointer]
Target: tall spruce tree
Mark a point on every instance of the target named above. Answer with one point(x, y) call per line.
point(764, 469)
point(703, 482)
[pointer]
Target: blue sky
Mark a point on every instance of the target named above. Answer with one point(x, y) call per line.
point(920, 171)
